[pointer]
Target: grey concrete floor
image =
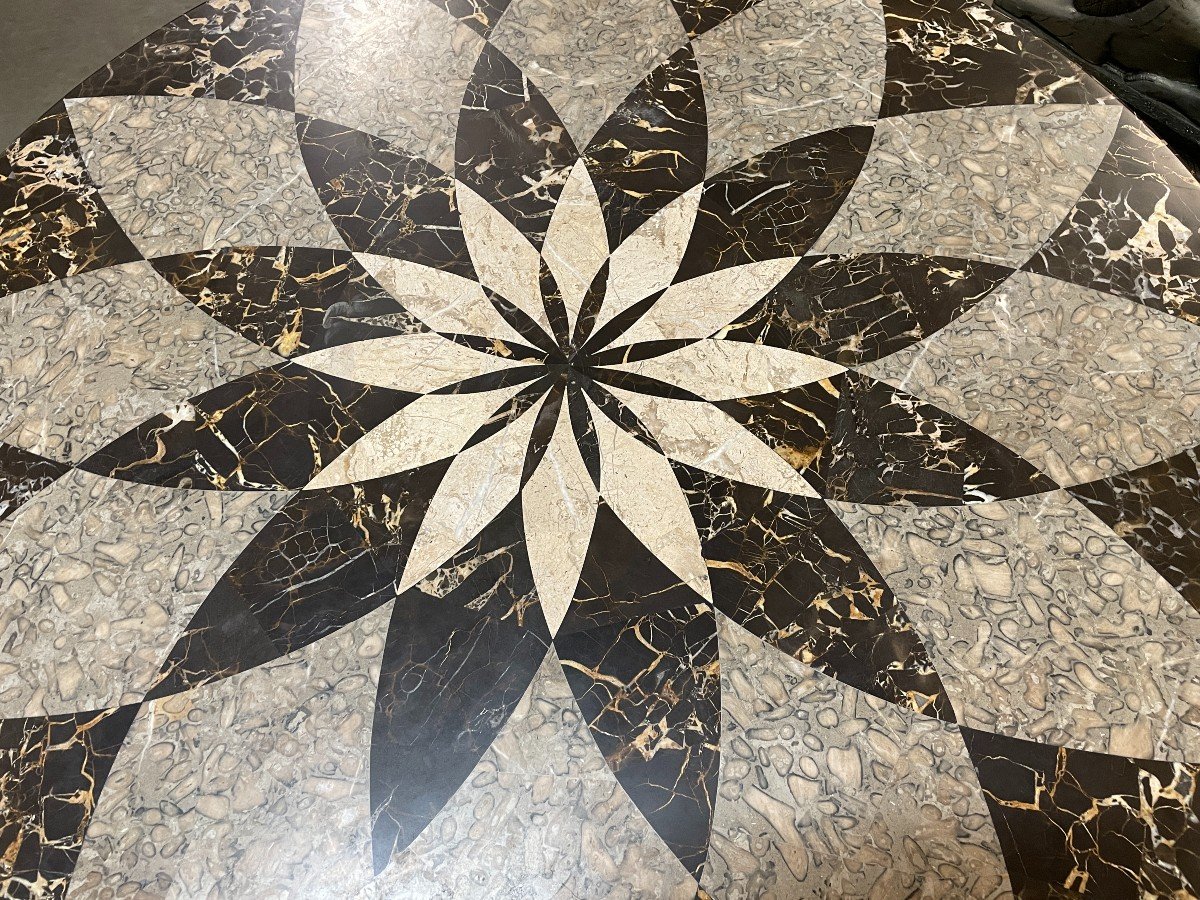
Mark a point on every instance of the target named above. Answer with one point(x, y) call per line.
point(46, 48)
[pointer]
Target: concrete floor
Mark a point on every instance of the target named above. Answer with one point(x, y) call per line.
point(46, 49)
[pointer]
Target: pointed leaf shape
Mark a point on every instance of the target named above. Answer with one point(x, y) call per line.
point(23, 474)
point(576, 245)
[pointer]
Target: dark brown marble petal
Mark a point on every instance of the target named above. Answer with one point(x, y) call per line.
point(52, 770)
point(462, 648)
point(776, 204)
point(383, 200)
point(698, 16)
point(784, 568)
point(1156, 510)
point(649, 689)
point(275, 428)
point(53, 221)
point(948, 54)
point(1074, 823)
point(23, 474)
point(1135, 232)
point(291, 300)
point(512, 149)
point(855, 309)
point(653, 148)
point(482, 15)
point(220, 50)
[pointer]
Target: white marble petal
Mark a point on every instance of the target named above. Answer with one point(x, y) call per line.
point(640, 487)
point(700, 435)
point(445, 302)
point(723, 370)
point(428, 429)
point(478, 485)
point(504, 260)
point(649, 258)
point(576, 241)
point(699, 307)
point(419, 362)
point(559, 504)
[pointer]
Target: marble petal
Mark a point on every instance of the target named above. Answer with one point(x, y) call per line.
point(784, 69)
point(576, 243)
point(183, 174)
point(22, 476)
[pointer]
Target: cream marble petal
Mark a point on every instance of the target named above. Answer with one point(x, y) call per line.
point(699, 307)
point(445, 302)
point(99, 579)
point(254, 786)
point(783, 69)
point(559, 504)
point(701, 436)
point(640, 487)
point(393, 68)
point(420, 362)
point(504, 260)
point(989, 183)
point(181, 174)
point(724, 370)
point(576, 242)
point(649, 258)
point(87, 358)
point(480, 482)
point(430, 428)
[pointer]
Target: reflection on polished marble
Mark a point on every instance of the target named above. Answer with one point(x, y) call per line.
point(689, 449)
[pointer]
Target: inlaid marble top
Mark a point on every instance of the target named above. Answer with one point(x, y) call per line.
point(597, 449)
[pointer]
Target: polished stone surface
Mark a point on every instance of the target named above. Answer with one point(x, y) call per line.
point(690, 449)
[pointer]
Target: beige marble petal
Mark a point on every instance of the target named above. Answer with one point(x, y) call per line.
point(85, 359)
point(503, 259)
point(700, 435)
point(586, 56)
point(541, 815)
point(700, 307)
point(182, 174)
point(1080, 383)
point(825, 791)
point(445, 302)
point(255, 786)
point(559, 504)
point(988, 183)
point(723, 370)
point(576, 242)
point(478, 485)
point(640, 487)
point(1041, 622)
point(428, 429)
point(100, 577)
point(649, 258)
point(393, 68)
point(420, 362)
point(783, 69)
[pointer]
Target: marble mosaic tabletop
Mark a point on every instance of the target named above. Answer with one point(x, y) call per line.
point(597, 449)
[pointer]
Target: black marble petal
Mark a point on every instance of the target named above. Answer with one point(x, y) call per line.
point(1073, 823)
point(512, 149)
point(947, 54)
point(54, 221)
point(650, 691)
point(275, 428)
point(786, 569)
point(1156, 510)
point(52, 770)
point(383, 200)
point(776, 204)
point(23, 474)
point(1135, 232)
point(864, 441)
point(290, 299)
point(855, 309)
point(461, 649)
point(653, 148)
point(225, 51)
point(699, 16)
point(482, 15)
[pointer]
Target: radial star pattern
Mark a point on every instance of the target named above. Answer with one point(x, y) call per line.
point(655, 448)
